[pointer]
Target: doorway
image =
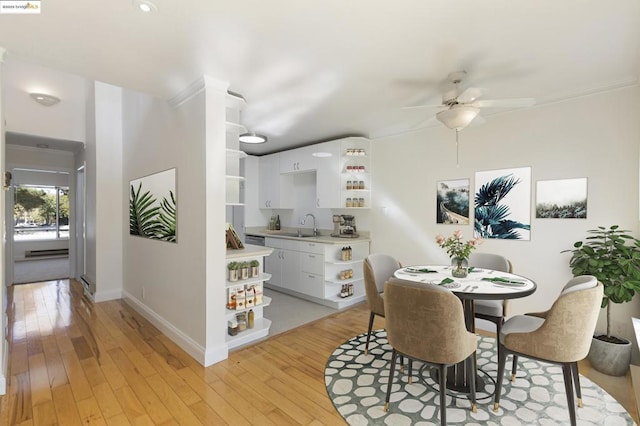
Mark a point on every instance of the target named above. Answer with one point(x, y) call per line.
point(41, 217)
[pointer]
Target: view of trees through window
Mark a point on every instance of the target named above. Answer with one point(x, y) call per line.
point(41, 213)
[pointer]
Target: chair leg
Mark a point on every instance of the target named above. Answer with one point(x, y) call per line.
point(501, 362)
point(410, 378)
point(514, 367)
point(576, 382)
point(568, 386)
point(443, 394)
point(471, 378)
point(392, 373)
point(371, 317)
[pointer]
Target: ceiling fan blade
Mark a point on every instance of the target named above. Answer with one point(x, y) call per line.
point(425, 123)
point(470, 95)
point(504, 103)
point(423, 106)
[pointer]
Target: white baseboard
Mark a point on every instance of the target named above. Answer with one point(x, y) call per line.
point(103, 296)
point(3, 373)
point(193, 348)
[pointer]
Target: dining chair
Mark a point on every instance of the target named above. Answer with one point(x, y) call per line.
point(426, 323)
point(491, 310)
point(579, 282)
point(562, 335)
point(378, 268)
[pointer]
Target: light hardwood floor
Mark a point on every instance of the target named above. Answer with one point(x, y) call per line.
point(72, 362)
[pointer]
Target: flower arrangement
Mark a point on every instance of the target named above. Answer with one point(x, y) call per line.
point(455, 247)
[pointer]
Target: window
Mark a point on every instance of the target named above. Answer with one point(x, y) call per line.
point(41, 213)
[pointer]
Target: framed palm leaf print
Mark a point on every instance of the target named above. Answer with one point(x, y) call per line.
point(153, 206)
point(503, 204)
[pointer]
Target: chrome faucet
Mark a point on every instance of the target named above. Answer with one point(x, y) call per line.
point(315, 229)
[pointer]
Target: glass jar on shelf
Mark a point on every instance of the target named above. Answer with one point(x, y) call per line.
point(349, 203)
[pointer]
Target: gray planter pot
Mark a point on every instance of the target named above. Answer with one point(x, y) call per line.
point(610, 358)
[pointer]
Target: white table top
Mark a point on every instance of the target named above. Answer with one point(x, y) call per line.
point(481, 283)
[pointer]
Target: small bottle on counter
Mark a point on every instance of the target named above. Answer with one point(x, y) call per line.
point(250, 319)
point(278, 223)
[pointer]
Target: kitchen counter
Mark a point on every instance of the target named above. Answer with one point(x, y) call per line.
point(248, 251)
point(324, 237)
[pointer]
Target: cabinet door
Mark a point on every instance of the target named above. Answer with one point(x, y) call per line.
point(269, 196)
point(290, 270)
point(312, 284)
point(297, 160)
point(328, 175)
point(273, 266)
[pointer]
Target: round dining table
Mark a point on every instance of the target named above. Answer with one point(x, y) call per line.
point(479, 284)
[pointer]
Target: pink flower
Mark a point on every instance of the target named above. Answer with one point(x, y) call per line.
point(439, 239)
point(457, 234)
point(474, 242)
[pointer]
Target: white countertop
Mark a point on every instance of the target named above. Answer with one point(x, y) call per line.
point(249, 251)
point(324, 236)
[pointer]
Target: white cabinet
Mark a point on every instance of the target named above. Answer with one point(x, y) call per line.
point(355, 174)
point(269, 196)
point(297, 160)
point(328, 175)
point(282, 264)
point(261, 325)
point(311, 270)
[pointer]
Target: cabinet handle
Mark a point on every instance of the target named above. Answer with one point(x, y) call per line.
point(311, 276)
point(312, 256)
point(317, 202)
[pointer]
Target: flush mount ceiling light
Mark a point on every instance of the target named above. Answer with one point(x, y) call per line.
point(251, 137)
point(145, 6)
point(322, 154)
point(44, 99)
point(458, 116)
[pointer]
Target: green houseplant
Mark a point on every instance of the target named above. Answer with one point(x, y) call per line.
point(613, 257)
point(254, 264)
point(233, 270)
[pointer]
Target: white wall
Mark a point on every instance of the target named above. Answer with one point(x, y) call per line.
point(595, 137)
point(4, 345)
point(109, 205)
point(91, 187)
point(158, 137)
point(61, 121)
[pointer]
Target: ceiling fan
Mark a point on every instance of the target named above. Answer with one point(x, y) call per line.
point(463, 106)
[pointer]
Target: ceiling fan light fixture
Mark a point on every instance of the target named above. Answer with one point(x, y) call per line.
point(252, 137)
point(145, 6)
point(458, 117)
point(44, 99)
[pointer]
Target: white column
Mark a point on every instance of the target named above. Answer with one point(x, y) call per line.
point(4, 345)
point(215, 157)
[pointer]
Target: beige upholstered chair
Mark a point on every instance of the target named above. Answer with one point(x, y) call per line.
point(561, 335)
point(378, 268)
point(426, 322)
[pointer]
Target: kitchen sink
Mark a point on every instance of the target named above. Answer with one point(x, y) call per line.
point(295, 234)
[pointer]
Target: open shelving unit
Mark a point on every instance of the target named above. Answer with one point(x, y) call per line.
point(261, 324)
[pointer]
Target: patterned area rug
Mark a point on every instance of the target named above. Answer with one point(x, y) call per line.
point(357, 383)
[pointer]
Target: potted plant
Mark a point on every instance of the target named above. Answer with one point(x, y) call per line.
point(613, 257)
point(254, 264)
point(244, 270)
point(459, 252)
point(233, 270)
